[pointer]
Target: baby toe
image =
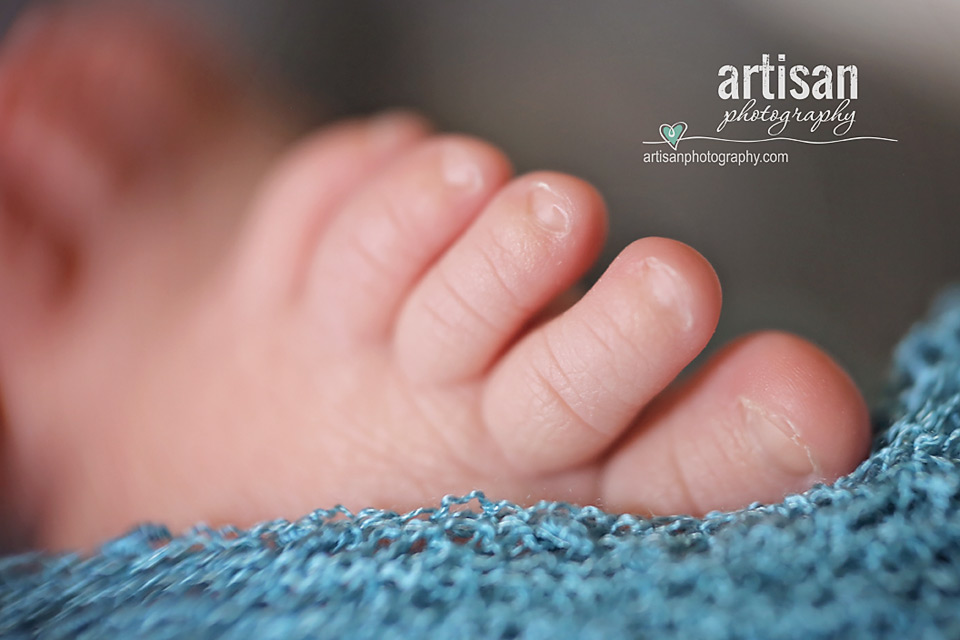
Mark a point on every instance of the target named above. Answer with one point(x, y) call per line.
point(536, 237)
point(571, 387)
point(393, 228)
point(302, 196)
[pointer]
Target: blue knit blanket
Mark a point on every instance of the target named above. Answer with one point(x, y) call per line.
point(874, 555)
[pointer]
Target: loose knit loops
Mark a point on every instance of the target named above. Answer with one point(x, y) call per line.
point(875, 555)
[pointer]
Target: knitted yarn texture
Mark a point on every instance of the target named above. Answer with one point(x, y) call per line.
point(874, 555)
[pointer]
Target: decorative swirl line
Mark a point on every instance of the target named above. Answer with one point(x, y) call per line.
point(776, 139)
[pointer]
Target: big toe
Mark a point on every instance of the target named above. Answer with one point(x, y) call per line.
point(769, 415)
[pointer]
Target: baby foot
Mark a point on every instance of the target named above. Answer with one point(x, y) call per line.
point(375, 330)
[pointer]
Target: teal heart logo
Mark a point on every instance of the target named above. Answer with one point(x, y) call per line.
point(672, 133)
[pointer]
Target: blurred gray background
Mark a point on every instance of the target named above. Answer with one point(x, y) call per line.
point(845, 244)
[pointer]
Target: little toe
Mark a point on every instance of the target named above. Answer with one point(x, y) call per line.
point(299, 199)
point(533, 241)
point(769, 415)
point(571, 387)
point(388, 233)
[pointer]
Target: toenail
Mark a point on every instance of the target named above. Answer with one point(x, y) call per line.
point(389, 128)
point(778, 437)
point(459, 168)
point(667, 288)
point(549, 208)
